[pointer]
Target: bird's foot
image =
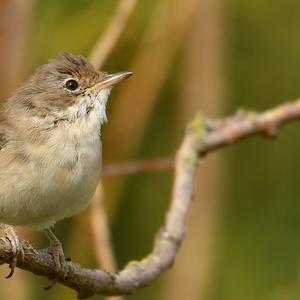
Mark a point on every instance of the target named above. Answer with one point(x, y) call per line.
point(16, 247)
point(56, 251)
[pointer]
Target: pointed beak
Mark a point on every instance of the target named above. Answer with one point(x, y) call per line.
point(110, 80)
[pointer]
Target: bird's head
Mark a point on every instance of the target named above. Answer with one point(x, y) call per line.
point(68, 87)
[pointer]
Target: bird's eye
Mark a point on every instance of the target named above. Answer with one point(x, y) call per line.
point(71, 84)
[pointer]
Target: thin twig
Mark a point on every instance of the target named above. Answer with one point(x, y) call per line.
point(108, 40)
point(133, 167)
point(198, 141)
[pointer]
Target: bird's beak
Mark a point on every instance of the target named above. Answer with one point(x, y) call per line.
point(110, 80)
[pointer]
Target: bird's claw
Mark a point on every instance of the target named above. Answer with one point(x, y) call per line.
point(16, 247)
point(56, 251)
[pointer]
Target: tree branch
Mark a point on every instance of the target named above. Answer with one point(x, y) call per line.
point(202, 136)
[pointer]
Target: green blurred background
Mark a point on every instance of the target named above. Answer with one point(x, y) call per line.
point(243, 237)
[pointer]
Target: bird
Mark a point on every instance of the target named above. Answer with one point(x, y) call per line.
point(50, 148)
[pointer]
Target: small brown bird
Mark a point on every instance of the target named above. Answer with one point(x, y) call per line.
point(50, 147)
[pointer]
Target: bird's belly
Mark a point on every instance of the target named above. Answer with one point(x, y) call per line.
point(66, 201)
point(41, 192)
point(68, 193)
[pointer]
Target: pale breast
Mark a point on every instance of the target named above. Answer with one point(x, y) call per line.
point(56, 180)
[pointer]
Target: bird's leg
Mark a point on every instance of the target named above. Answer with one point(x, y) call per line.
point(55, 249)
point(16, 247)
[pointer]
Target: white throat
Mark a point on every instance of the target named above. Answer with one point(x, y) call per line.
point(91, 106)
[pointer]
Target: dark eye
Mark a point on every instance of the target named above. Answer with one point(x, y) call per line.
point(71, 84)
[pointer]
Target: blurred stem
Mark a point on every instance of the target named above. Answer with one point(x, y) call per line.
point(133, 167)
point(14, 26)
point(151, 64)
point(109, 39)
point(101, 236)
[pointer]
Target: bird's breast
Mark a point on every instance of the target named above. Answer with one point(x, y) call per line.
point(57, 177)
point(71, 167)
